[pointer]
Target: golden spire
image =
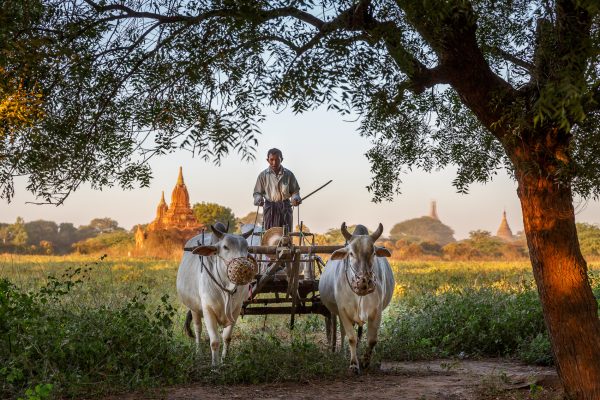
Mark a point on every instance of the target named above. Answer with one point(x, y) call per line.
point(180, 199)
point(504, 231)
point(162, 208)
point(180, 177)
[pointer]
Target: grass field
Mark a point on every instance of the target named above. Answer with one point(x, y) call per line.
point(83, 326)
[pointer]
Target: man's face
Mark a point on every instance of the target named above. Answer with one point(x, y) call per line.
point(274, 162)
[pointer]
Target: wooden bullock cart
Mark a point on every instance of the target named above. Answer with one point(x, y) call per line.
point(287, 282)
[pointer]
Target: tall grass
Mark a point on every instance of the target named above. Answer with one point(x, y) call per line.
point(76, 326)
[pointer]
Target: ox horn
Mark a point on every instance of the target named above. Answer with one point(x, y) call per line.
point(375, 235)
point(217, 232)
point(347, 235)
point(248, 234)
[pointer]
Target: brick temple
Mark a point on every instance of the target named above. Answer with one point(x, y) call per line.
point(175, 221)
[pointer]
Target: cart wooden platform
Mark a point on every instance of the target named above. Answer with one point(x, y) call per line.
point(287, 282)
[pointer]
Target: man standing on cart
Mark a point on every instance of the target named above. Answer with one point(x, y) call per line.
point(277, 190)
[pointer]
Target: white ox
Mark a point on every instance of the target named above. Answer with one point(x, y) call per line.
point(357, 285)
point(203, 286)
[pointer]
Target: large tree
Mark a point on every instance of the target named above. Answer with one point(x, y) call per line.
point(105, 225)
point(480, 84)
point(211, 213)
point(423, 229)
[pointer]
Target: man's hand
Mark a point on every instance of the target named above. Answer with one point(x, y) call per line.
point(260, 202)
point(296, 201)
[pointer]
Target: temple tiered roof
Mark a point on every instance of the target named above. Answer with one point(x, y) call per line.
point(179, 214)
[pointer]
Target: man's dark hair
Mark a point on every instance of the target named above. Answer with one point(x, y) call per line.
point(275, 152)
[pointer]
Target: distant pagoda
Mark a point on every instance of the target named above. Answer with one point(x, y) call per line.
point(433, 211)
point(175, 220)
point(161, 212)
point(504, 231)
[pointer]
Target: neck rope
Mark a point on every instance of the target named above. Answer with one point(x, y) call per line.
point(227, 293)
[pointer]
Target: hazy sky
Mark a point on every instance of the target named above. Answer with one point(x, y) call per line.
point(317, 146)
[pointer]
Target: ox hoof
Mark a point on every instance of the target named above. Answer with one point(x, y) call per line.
point(364, 363)
point(354, 369)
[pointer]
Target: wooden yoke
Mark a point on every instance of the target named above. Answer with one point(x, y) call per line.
point(288, 250)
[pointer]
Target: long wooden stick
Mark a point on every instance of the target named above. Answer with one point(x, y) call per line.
point(316, 190)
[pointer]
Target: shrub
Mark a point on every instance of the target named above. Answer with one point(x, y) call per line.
point(44, 339)
point(54, 345)
point(268, 358)
point(117, 242)
point(475, 322)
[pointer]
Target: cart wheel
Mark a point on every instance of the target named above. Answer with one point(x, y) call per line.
point(293, 287)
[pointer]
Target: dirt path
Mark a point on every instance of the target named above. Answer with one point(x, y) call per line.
point(423, 380)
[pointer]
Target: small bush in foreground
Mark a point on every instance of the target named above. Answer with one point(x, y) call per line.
point(268, 358)
point(89, 350)
point(51, 347)
point(470, 322)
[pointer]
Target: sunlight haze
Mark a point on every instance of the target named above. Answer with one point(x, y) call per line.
point(317, 146)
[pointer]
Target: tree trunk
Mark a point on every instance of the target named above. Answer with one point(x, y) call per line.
point(570, 309)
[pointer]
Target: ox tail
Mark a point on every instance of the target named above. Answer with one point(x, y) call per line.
point(187, 325)
point(359, 333)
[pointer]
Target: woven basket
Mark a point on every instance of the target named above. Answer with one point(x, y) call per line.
point(242, 270)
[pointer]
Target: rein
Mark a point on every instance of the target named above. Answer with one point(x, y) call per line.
point(348, 266)
point(210, 274)
point(228, 294)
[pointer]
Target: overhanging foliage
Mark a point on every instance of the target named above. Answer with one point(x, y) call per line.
point(433, 83)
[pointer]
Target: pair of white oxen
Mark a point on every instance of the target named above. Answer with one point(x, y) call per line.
point(356, 285)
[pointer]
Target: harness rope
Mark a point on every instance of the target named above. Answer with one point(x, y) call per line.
point(227, 293)
point(255, 220)
point(346, 267)
point(221, 286)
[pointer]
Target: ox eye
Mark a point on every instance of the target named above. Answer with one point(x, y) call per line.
point(225, 247)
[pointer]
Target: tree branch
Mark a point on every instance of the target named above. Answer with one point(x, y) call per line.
point(133, 45)
point(420, 77)
point(275, 38)
point(354, 18)
point(529, 67)
point(452, 35)
point(263, 15)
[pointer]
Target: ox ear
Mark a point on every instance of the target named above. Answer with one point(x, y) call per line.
point(339, 254)
point(382, 252)
point(205, 250)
